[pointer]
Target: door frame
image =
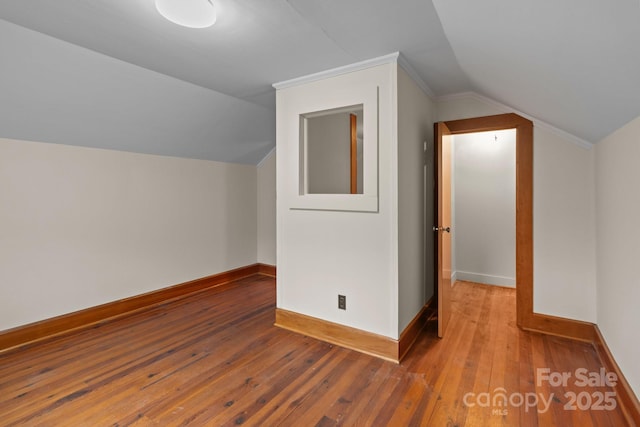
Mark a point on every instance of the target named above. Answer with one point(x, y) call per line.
point(524, 202)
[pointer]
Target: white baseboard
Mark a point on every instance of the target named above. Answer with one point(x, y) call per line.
point(486, 279)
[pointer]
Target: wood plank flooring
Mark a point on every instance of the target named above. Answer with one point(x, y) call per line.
point(214, 359)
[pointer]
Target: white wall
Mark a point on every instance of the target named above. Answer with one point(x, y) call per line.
point(485, 207)
point(564, 257)
point(416, 114)
point(618, 211)
point(328, 154)
point(267, 209)
point(323, 253)
point(82, 226)
point(564, 215)
point(454, 228)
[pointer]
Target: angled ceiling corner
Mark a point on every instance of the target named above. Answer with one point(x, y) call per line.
point(570, 64)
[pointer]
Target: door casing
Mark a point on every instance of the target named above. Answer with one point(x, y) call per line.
point(524, 202)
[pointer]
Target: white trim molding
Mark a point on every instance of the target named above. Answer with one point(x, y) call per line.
point(362, 65)
point(395, 57)
point(507, 109)
point(264, 159)
point(486, 279)
point(402, 62)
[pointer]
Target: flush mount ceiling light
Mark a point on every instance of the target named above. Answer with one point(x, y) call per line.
point(188, 13)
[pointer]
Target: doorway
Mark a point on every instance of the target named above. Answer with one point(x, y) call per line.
point(483, 208)
point(524, 210)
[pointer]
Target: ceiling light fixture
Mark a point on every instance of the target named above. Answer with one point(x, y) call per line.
point(188, 13)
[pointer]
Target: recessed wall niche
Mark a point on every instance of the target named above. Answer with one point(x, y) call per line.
point(321, 179)
point(332, 145)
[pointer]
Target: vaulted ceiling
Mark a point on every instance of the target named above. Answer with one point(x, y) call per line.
point(574, 64)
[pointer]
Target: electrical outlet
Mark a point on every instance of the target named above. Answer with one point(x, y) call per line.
point(342, 302)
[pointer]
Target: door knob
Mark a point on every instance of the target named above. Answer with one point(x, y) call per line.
point(447, 229)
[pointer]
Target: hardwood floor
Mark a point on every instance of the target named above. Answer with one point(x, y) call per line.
point(214, 358)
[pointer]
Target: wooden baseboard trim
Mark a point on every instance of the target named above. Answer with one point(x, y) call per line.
point(626, 397)
point(589, 332)
point(560, 326)
point(413, 329)
point(82, 319)
point(267, 270)
point(357, 339)
point(343, 336)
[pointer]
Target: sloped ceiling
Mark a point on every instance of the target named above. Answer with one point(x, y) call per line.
point(573, 64)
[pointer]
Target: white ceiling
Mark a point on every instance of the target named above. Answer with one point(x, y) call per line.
point(574, 64)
